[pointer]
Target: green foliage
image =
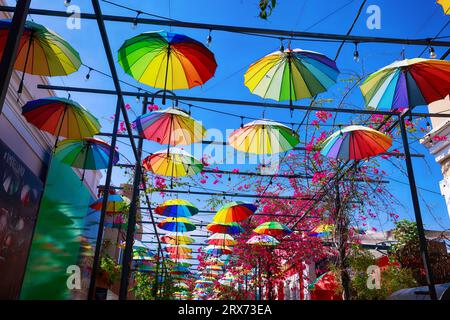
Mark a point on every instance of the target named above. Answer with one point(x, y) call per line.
point(405, 234)
point(392, 277)
point(143, 286)
point(110, 269)
point(266, 7)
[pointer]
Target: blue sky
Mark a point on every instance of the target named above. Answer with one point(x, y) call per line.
point(234, 52)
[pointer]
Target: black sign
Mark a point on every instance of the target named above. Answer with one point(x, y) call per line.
point(20, 192)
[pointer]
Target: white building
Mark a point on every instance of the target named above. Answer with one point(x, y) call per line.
point(437, 141)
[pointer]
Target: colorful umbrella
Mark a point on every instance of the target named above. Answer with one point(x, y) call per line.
point(41, 51)
point(263, 240)
point(176, 225)
point(171, 126)
point(214, 268)
point(174, 163)
point(322, 230)
point(445, 5)
point(221, 239)
point(167, 61)
point(86, 154)
point(407, 83)
point(180, 256)
point(229, 228)
point(272, 228)
point(355, 143)
point(173, 238)
point(176, 208)
point(115, 203)
point(61, 117)
point(234, 211)
point(217, 250)
point(291, 75)
point(263, 137)
point(178, 249)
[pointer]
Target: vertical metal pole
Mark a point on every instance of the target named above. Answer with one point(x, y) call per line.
point(135, 202)
point(101, 223)
point(417, 213)
point(12, 47)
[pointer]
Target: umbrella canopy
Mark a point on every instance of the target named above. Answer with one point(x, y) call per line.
point(167, 61)
point(176, 208)
point(214, 267)
point(291, 75)
point(180, 256)
point(61, 117)
point(272, 228)
point(178, 249)
point(407, 83)
point(175, 163)
point(171, 126)
point(115, 203)
point(229, 228)
point(263, 240)
point(234, 211)
point(355, 143)
point(217, 250)
point(174, 238)
point(176, 225)
point(263, 137)
point(41, 51)
point(445, 5)
point(322, 230)
point(221, 239)
point(87, 153)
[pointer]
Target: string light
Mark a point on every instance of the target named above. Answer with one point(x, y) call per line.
point(135, 21)
point(88, 75)
point(209, 39)
point(432, 53)
point(138, 97)
point(356, 53)
point(428, 126)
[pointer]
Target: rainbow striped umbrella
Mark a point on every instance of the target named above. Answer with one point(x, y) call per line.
point(221, 239)
point(291, 74)
point(272, 228)
point(229, 228)
point(407, 83)
point(263, 137)
point(178, 249)
point(263, 240)
point(174, 163)
point(167, 61)
point(86, 154)
point(61, 117)
point(217, 250)
point(176, 208)
point(355, 143)
point(173, 238)
point(115, 203)
point(180, 256)
point(322, 230)
point(41, 51)
point(234, 211)
point(176, 225)
point(171, 126)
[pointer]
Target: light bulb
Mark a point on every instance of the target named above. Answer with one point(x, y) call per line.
point(67, 3)
point(208, 39)
point(356, 53)
point(134, 25)
point(432, 53)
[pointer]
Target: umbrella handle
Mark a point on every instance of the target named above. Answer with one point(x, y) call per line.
point(165, 92)
point(20, 89)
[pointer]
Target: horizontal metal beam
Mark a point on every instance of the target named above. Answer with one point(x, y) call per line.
point(241, 30)
point(240, 102)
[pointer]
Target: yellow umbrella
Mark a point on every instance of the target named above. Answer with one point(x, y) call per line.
point(445, 5)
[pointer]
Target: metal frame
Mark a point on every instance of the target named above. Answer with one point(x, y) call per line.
point(7, 62)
